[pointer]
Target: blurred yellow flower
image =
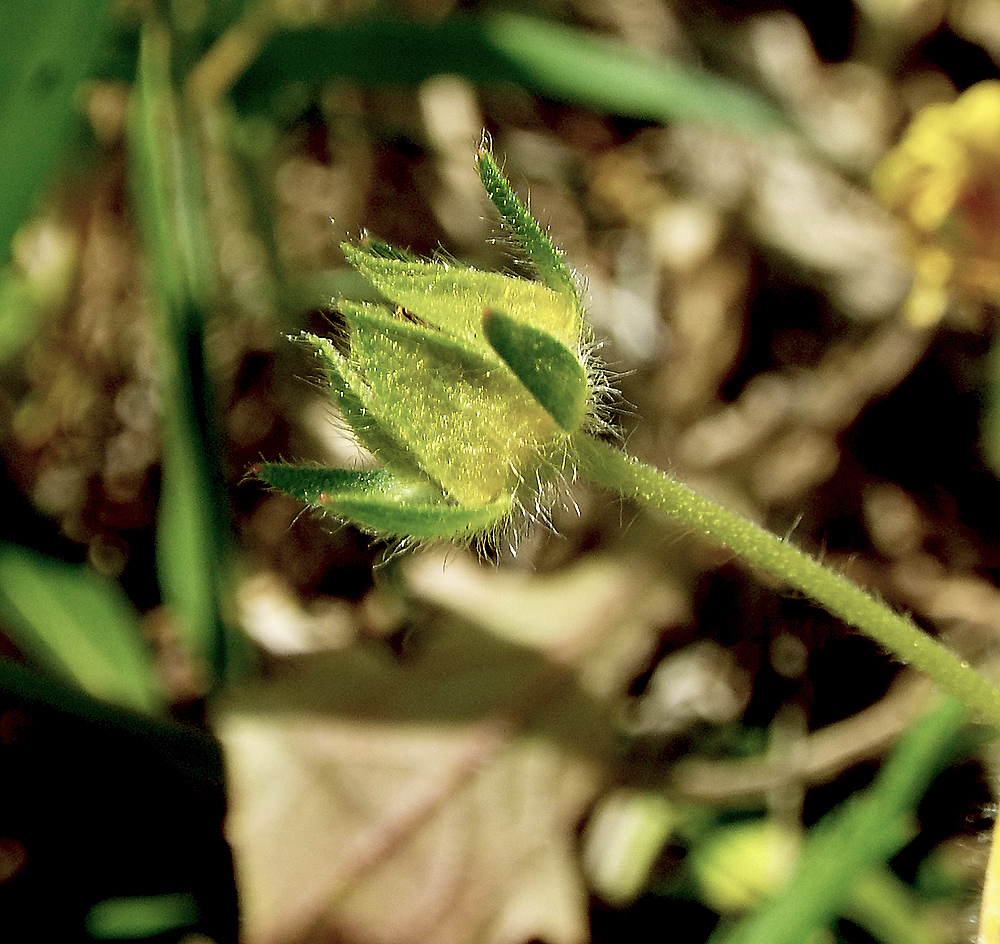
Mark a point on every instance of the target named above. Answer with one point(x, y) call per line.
point(943, 179)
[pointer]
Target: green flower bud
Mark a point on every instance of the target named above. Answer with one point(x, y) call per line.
point(466, 388)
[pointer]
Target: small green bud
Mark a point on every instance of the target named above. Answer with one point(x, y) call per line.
point(466, 390)
point(742, 864)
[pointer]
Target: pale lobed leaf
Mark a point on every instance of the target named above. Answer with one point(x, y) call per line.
point(435, 799)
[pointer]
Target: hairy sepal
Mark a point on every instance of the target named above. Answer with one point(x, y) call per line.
point(466, 420)
point(551, 372)
point(452, 298)
point(533, 240)
point(383, 504)
point(349, 392)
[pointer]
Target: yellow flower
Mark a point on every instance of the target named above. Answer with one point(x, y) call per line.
point(943, 180)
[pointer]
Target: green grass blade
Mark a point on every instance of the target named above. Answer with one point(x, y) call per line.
point(192, 533)
point(20, 312)
point(891, 911)
point(48, 49)
point(608, 76)
point(858, 836)
point(77, 625)
point(129, 919)
point(547, 58)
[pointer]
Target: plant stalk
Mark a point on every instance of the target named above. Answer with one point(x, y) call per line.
point(619, 472)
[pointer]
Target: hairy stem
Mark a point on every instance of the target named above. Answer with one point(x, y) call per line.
point(619, 472)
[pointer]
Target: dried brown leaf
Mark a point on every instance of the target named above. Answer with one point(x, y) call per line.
point(432, 799)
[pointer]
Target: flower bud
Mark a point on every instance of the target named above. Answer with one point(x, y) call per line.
point(466, 387)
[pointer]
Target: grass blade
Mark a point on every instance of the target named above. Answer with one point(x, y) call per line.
point(192, 533)
point(78, 626)
point(48, 50)
point(857, 836)
point(548, 58)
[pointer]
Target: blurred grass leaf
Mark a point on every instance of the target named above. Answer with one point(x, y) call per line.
point(858, 836)
point(18, 310)
point(544, 57)
point(192, 539)
point(74, 623)
point(47, 51)
point(125, 919)
point(608, 76)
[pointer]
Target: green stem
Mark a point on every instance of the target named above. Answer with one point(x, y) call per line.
point(653, 489)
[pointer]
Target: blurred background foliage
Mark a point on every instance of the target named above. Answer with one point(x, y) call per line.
point(618, 733)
